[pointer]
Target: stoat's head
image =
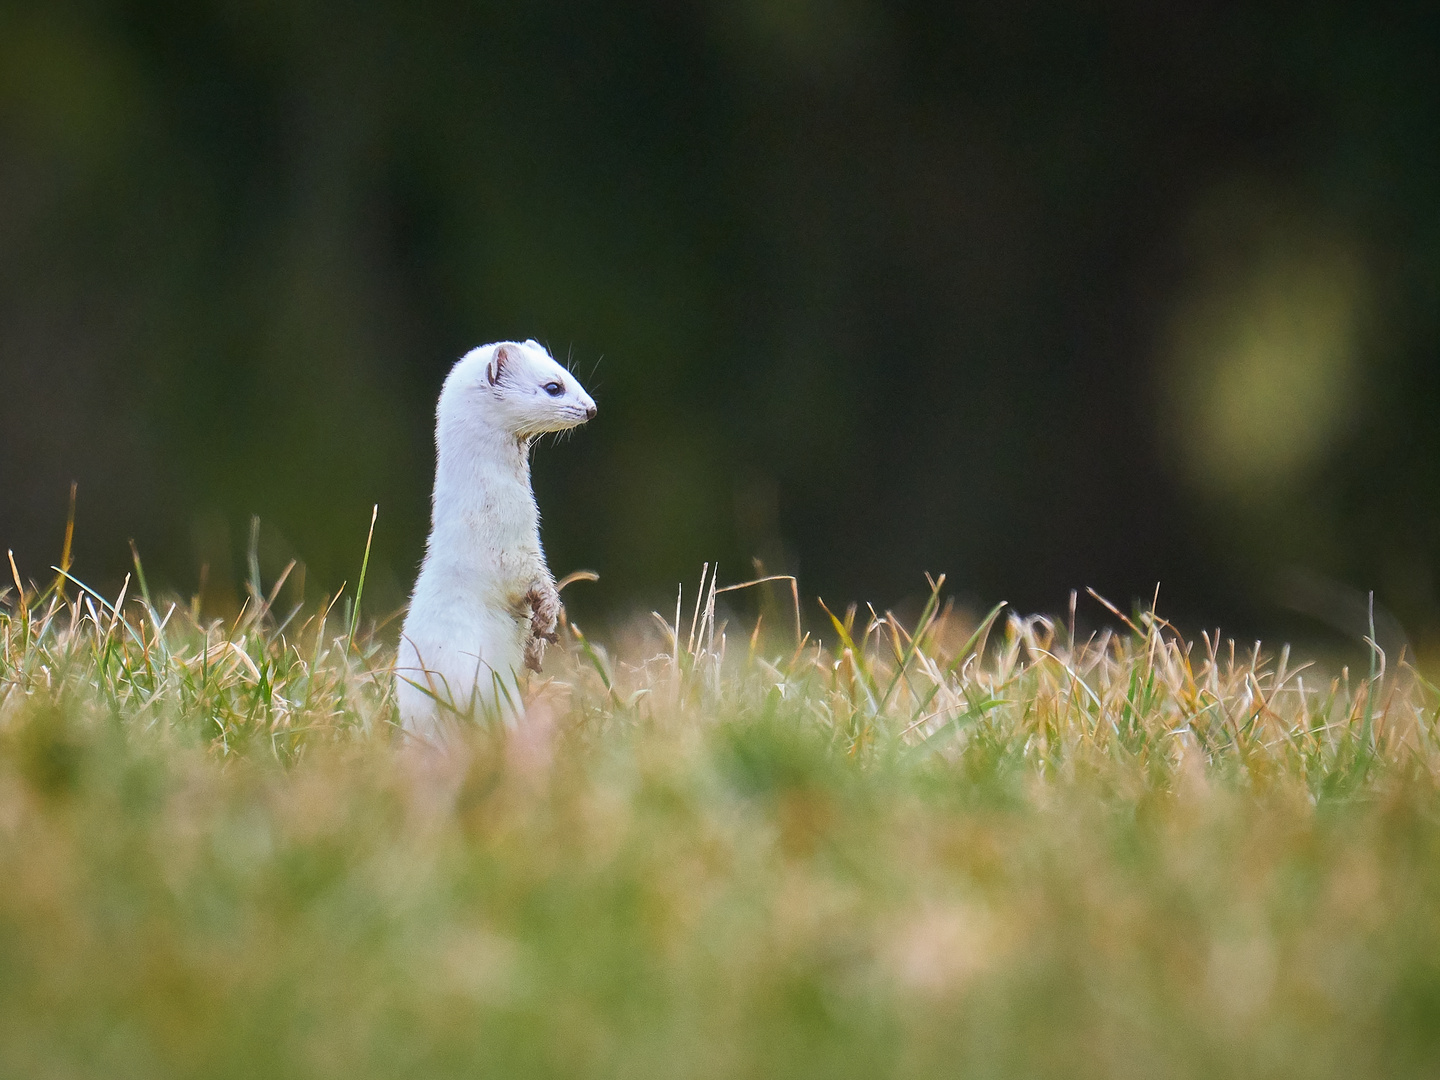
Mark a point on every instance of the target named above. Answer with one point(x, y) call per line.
point(516, 387)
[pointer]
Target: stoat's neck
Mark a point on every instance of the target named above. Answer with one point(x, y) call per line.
point(478, 468)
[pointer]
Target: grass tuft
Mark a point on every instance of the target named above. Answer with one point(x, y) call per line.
point(958, 847)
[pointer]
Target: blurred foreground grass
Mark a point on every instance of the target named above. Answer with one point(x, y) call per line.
point(972, 851)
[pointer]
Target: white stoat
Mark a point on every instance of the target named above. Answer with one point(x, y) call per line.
point(485, 601)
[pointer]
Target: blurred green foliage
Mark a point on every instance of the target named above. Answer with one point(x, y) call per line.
point(863, 288)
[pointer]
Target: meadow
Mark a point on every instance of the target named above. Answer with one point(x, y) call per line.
point(961, 845)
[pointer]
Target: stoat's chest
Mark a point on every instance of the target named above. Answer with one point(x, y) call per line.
point(502, 517)
point(485, 543)
point(489, 535)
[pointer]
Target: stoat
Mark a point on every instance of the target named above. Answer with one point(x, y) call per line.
point(485, 602)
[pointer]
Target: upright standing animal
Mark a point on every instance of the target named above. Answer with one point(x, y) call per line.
point(485, 602)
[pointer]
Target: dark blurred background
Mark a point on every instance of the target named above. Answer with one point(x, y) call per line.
point(1037, 294)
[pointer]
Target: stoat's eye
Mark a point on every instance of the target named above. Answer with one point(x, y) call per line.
point(554, 389)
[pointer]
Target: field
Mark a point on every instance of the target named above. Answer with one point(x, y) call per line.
point(959, 847)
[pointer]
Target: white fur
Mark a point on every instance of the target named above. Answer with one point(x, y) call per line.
point(478, 601)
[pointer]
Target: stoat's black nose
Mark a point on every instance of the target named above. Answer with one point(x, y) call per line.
point(590, 413)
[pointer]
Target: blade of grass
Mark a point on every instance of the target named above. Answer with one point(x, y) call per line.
point(360, 586)
point(932, 605)
point(67, 549)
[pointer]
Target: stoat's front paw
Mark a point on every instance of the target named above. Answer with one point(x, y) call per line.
point(545, 604)
point(545, 610)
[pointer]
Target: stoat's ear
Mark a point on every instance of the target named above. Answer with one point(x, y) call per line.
point(496, 367)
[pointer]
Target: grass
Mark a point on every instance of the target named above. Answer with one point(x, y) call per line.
point(954, 848)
